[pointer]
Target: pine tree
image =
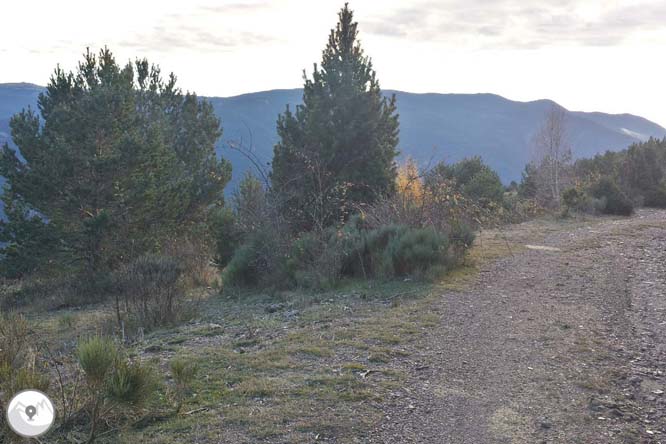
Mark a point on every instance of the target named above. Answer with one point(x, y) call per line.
point(339, 147)
point(119, 160)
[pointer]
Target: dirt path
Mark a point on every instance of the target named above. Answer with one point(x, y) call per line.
point(548, 346)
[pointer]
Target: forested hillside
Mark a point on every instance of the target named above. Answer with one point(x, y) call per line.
point(432, 126)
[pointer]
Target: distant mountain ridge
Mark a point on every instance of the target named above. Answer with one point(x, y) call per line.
point(433, 126)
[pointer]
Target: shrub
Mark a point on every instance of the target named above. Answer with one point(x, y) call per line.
point(577, 200)
point(131, 383)
point(471, 176)
point(16, 380)
point(111, 379)
point(194, 251)
point(18, 367)
point(371, 253)
point(183, 373)
point(13, 339)
point(260, 261)
point(227, 235)
point(96, 356)
point(314, 260)
point(151, 291)
point(415, 250)
point(461, 239)
point(612, 199)
point(485, 186)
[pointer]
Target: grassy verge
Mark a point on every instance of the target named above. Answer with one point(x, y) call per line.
point(289, 367)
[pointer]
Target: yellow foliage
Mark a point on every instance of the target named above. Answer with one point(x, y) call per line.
point(409, 183)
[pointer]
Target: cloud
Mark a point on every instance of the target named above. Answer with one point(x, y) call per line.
point(509, 23)
point(239, 7)
point(201, 30)
point(191, 38)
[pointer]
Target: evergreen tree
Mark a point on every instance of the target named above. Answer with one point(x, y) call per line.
point(119, 160)
point(339, 147)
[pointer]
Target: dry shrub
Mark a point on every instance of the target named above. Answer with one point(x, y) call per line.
point(194, 254)
point(150, 291)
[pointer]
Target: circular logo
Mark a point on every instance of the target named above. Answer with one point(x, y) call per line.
point(30, 413)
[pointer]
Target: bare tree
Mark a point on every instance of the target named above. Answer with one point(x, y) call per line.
point(552, 155)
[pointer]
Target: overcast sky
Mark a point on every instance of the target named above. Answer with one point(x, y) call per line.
point(603, 55)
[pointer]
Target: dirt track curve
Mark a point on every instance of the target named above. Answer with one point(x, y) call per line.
point(561, 345)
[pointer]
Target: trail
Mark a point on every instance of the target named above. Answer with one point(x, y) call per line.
point(563, 344)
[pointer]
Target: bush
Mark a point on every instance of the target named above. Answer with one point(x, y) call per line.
point(612, 199)
point(17, 370)
point(260, 261)
point(111, 379)
point(150, 291)
point(369, 258)
point(131, 383)
point(194, 251)
point(471, 176)
point(485, 186)
point(575, 199)
point(227, 235)
point(13, 339)
point(415, 250)
point(461, 238)
point(183, 373)
point(96, 356)
point(314, 260)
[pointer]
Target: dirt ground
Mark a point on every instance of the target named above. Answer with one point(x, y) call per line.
point(550, 345)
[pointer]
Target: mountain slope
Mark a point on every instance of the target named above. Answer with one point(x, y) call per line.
point(433, 126)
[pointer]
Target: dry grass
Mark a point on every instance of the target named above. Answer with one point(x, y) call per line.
point(318, 373)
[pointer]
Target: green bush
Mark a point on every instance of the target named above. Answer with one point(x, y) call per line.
point(112, 381)
point(260, 261)
point(485, 186)
point(183, 373)
point(416, 250)
point(97, 357)
point(131, 383)
point(373, 257)
point(575, 199)
point(612, 199)
point(226, 233)
point(313, 261)
point(321, 260)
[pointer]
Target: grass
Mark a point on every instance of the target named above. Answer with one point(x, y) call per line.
point(318, 374)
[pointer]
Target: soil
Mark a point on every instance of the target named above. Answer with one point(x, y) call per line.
point(550, 345)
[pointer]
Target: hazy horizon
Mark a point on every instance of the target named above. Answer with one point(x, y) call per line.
point(591, 55)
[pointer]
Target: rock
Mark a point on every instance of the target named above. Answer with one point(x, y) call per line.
point(545, 424)
point(274, 307)
point(635, 380)
point(291, 314)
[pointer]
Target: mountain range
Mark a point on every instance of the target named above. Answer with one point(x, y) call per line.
point(433, 127)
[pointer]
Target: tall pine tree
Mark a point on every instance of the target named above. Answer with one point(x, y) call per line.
point(119, 160)
point(339, 147)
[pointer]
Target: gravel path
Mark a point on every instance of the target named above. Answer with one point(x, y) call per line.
point(548, 346)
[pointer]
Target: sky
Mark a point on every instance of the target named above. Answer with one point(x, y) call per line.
point(588, 55)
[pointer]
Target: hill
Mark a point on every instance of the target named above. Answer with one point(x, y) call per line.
point(433, 126)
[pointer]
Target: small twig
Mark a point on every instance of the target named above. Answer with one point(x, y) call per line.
point(202, 409)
